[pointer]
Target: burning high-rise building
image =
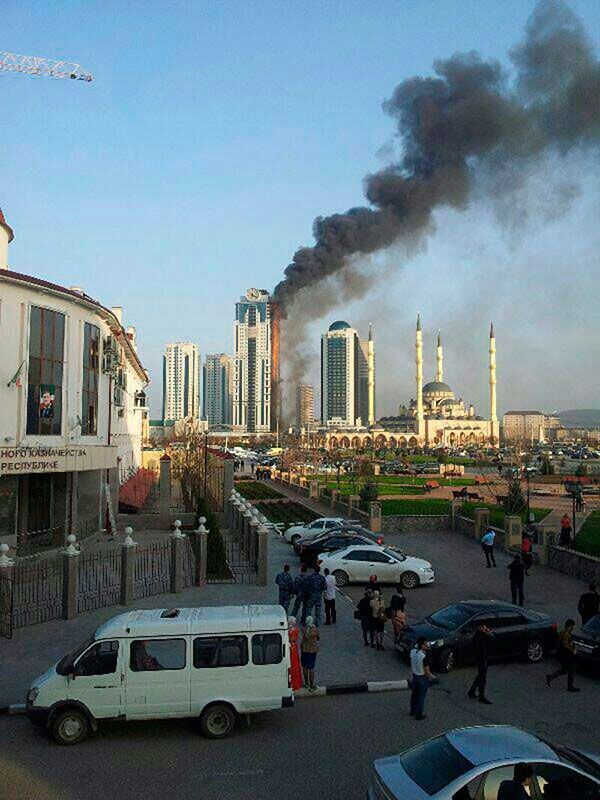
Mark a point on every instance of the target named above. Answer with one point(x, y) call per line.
point(256, 387)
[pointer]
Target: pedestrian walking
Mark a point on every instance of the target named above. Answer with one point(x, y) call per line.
point(285, 582)
point(378, 622)
point(252, 467)
point(487, 545)
point(363, 612)
point(314, 586)
point(397, 614)
point(516, 572)
point(589, 604)
point(299, 590)
point(421, 675)
point(565, 653)
point(295, 668)
point(309, 648)
point(481, 640)
point(565, 531)
point(329, 598)
point(527, 552)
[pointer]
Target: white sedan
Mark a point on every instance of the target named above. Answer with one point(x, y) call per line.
point(356, 565)
point(311, 529)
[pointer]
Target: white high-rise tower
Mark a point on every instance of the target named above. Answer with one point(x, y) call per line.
point(181, 381)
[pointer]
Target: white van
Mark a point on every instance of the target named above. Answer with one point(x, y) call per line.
point(211, 663)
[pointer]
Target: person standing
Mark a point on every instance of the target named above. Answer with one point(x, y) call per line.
point(364, 612)
point(565, 531)
point(481, 641)
point(487, 545)
point(309, 647)
point(299, 590)
point(314, 586)
point(397, 615)
point(589, 604)
point(527, 552)
point(285, 582)
point(295, 669)
point(421, 675)
point(374, 584)
point(378, 622)
point(329, 598)
point(516, 572)
point(565, 653)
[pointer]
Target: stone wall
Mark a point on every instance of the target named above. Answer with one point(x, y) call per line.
point(415, 524)
point(586, 568)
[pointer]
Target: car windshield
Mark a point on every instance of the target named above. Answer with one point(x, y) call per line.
point(593, 626)
point(396, 553)
point(449, 764)
point(576, 759)
point(451, 617)
point(65, 665)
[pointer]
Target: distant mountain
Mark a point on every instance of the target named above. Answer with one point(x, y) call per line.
point(580, 418)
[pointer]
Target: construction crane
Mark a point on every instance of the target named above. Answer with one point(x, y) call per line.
point(32, 65)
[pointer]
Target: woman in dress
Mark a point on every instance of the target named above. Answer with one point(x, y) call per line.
point(397, 615)
point(378, 612)
point(295, 670)
point(308, 649)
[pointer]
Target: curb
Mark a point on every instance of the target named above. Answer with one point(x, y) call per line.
point(13, 708)
point(354, 688)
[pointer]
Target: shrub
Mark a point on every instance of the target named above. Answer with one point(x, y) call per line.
point(369, 492)
point(255, 490)
point(286, 512)
point(417, 508)
point(216, 556)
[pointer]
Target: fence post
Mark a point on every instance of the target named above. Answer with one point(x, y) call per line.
point(262, 560)
point(547, 535)
point(127, 568)
point(6, 576)
point(255, 526)
point(454, 509)
point(176, 571)
point(164, 506)
point(70, 578)
point(247, 516)
point(231, 509)
point(513, 532)
point(313, 490)
point(335, 496)
point(482, 520)
point(375, 517)
point(201, 552)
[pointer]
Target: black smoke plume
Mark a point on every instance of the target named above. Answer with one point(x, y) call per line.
point(471, 122)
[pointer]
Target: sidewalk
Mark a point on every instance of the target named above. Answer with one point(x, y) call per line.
point(342, 657)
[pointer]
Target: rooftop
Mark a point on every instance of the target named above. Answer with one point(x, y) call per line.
point(436, 386)
point(340, 325)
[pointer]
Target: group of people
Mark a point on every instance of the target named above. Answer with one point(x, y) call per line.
point(303, 663)
point(373, 613)
point(262, 473)
point(311, 591)
point(519, 566)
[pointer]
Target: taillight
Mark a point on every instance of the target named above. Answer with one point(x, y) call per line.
point(380, 540)
point(554, 627)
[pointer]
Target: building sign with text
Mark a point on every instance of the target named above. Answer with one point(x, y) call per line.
point(67, 458)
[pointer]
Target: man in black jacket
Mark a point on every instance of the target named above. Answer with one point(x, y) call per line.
point(516, 571)
point(481, 640)
point(589, 604)
point(515, 789)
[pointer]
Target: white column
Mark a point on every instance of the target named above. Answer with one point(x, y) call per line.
point(419, 365)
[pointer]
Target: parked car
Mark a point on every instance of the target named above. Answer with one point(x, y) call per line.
point(311, 529)
point(516, 633)
point(334, 540)
point(471, 763)
point(587, 642)
point(357, 563)
point(160, 663)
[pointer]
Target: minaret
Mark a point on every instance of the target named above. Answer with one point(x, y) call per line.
point(371, 376)
point(439, 375)
point(6, 237)
point(419, 363)
point(493, 413)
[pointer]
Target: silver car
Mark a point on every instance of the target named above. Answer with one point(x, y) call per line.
point(473, 763)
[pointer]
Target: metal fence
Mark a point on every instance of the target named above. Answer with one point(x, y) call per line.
point(152, 570)
point(37, 592)
point(99, 580)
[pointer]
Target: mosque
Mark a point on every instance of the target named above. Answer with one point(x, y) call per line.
point(434, 418)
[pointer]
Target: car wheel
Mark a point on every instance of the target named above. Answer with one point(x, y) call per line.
point(341, 577)
point(217, 721)
point(69, 727)
point(446, 660)
point(409, 580)
point(535, 651)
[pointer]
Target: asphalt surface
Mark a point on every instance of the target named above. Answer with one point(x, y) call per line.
point(324, 746)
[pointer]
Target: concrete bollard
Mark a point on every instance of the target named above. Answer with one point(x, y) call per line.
point(513, 529)
point(454, 513)
point(375, 517)
point(201, 552)
point(70, 578)
point(6, 575)
point(127, 568)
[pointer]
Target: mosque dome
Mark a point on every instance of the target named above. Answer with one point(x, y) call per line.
point(340, 325)
point(434, 387)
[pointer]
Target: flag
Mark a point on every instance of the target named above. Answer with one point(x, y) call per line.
point(16, 378)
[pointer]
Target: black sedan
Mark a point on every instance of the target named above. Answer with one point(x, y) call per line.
point(516, 633)
point(587, 642)
point(333, 540)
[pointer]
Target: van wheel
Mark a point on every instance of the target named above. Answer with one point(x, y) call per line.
point(69, 727)
point(217, 721)
point(341, 577)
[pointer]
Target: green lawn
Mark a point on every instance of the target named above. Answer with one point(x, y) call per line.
point(497, 513)
point(256, 490)
point(426, 508)
point(387, 484)
point(286, 512)
point(588, 538)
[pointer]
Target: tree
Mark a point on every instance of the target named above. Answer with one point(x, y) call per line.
point(547, 468)
point(369, 492)
point(515, 501)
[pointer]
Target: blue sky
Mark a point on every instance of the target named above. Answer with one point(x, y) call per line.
point(213, 134)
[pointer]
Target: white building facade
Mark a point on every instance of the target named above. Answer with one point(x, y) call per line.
point(181, 381)
point(217, 390)
point(72, 410)
point(253, 384)
point(347, 377)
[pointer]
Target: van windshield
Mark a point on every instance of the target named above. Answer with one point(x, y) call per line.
point(65, 665)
